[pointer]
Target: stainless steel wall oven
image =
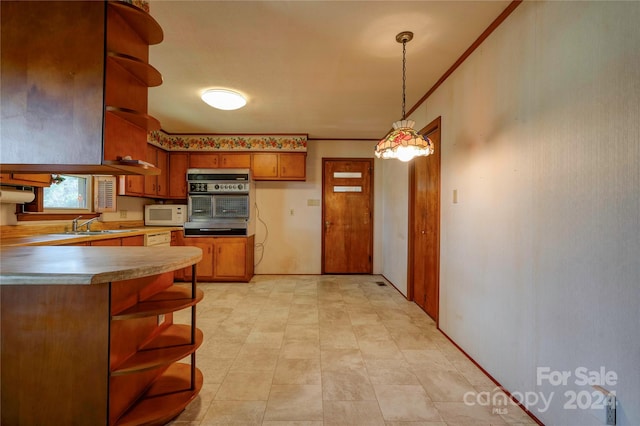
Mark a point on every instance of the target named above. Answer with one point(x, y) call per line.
point(220, 202)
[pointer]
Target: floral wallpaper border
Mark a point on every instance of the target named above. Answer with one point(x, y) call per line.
point(297, 143)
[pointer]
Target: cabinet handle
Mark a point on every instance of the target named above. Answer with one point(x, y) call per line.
point(209, 250)
point(159, 188)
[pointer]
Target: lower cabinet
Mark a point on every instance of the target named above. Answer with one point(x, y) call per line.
point(223, 258)
point(147, 384)
point(100, 354)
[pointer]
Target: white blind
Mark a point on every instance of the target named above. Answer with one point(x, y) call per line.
point(104, 193)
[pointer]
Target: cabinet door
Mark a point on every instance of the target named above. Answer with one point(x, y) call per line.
point(204, 268)
point(177, 240)
point(178, 164)
point(235, 161)
point(264, 165)
point(162, 187)
point(135, 240)
point(150, 182)
point(203, 161)
point(131, 185)
point(292, 166)
point(229, 258)
point(109, 242)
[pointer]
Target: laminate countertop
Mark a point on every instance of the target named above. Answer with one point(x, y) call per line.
point(55, 265)
point(59, 238)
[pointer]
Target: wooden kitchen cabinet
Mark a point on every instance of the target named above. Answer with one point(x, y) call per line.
point(26, 179)
point(278, 166)
point(85, 67)
point(109, 242)
point(230, 160)
point(157, 186)
point(131, 185)
point(223, 258)
point(96, 352)
point(177, 175)
point(203, 160)
point(264, 165)
point(204, 268)
point(135, 240)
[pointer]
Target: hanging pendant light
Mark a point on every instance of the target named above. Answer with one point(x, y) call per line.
point(403, 142)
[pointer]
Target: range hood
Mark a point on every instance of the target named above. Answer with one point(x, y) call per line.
point(112, 167)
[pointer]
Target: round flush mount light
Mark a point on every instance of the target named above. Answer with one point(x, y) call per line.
point(224, 99)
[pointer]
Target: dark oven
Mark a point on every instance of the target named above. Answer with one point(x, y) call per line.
point(219, 202)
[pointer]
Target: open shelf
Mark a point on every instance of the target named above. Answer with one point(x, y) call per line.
point(170, 345)
point(173, 299)
point(142, 120)
point(143, 23)
point(147, 74)
point(166, 398)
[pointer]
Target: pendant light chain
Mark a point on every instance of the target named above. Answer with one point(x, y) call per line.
point(404, 77)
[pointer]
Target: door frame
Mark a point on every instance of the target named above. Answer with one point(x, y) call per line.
point(372, 188)
point(430, 128)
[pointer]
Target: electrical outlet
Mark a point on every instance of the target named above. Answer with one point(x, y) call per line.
point(123, 214)
point(160, 319)
point(610, 407)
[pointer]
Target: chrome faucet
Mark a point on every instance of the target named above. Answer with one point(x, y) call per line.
point(75, 225)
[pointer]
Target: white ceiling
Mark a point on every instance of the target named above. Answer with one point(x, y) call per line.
point(329, 69)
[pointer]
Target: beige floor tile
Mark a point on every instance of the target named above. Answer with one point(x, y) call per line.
point(196, 410)
point(459, 413)
point(427, 359)
point(337, 337)
point(266, 339)
point(390, 372)
point(245, 386)
point(302, 332)
point(353, 413)
point(332, 350)
point(380, 349)
point(347, 385)
point(294, 403)
point(297, 372)
point(341, 359)
point(255, 358)
point(300, 349)
point(405, 403)
point(234, 413)
point(303, 314)
point(214, 370)
point(371, 332)
point(444, 385)
point(220, 349)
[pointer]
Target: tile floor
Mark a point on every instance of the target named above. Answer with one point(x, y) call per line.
point(330, 350)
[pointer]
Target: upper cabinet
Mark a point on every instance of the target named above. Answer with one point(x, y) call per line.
point(74, 86)
point(279, 166)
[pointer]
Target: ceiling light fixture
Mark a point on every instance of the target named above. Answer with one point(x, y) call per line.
point(224, 99)
point(403, 142)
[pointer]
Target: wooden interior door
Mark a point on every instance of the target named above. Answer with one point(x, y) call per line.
point(424, 226)
point(347, 216)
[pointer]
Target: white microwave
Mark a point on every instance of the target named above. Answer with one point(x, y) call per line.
point(165, 214)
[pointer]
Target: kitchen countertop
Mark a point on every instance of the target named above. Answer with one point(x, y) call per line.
point(54, 239)
point(89, 265)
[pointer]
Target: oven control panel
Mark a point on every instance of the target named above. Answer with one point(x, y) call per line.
point(218, 187)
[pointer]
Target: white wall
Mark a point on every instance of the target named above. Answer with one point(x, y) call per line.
point(540, 256)
point(293, 242)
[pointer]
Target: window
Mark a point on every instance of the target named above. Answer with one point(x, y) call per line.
point(72, 193)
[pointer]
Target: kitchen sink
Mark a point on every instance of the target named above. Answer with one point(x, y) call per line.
point(103, 232)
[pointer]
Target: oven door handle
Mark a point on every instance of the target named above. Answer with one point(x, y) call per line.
point(215, 229)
